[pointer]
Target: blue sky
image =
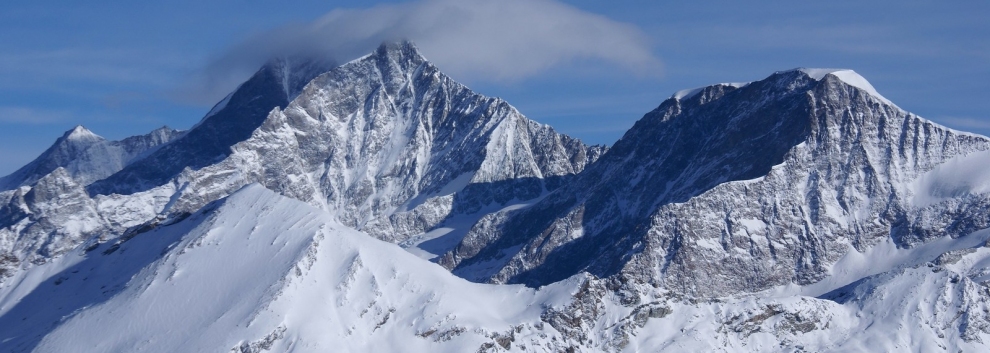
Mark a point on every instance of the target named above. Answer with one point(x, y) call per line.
point(124, 68)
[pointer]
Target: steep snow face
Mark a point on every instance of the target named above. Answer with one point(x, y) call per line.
point(393, 147)
point(735, 190)
point(958, 177)
point(87, 157)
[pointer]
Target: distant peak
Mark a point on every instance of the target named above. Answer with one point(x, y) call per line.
point(848, 76)
point(80, 133)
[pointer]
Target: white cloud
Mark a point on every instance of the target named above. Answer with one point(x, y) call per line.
point(506, 40)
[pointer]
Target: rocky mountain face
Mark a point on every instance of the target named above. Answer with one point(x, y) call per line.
point(802, 212)
point(392, 146)
point(386, 143)
point(231, 121)
point(45, 210)
point(736, 189)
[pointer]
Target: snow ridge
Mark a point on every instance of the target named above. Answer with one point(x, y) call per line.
point(850, 77)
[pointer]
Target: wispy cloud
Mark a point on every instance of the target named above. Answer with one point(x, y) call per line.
point(43, 68)
point(498, 41)
point(27, 115)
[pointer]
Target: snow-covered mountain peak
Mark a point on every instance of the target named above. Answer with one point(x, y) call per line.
point(691, 181)
point(80, 133)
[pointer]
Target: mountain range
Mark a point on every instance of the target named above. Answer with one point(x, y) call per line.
point(378, 205)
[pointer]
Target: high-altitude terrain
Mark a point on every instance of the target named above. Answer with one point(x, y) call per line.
point(378, 205)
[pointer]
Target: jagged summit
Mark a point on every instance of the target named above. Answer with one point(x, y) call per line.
point(387, 143)
point(238, 115)
point(392, 146)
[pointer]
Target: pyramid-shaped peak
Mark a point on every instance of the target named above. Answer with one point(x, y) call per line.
point(80, 133)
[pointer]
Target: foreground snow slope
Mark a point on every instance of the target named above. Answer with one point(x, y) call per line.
point(260, 272)
point(252, 267)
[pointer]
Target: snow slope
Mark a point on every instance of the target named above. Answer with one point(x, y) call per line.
point(254, 266)
point(260, 272)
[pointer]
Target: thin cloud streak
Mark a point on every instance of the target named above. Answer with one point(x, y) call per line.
point(26, 115)
point(94, 66)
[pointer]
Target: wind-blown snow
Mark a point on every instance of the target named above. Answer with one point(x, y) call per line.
point(957, 177)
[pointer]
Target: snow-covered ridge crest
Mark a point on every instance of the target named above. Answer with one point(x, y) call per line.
point(848, 76)
point(691, 92)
